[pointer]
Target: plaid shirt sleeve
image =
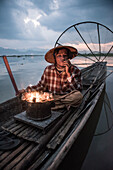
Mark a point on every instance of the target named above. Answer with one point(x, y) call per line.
point(75, 81)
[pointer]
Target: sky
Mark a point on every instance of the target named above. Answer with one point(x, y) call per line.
point(32, 24)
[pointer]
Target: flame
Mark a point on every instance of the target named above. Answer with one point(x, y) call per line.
point(37, 97)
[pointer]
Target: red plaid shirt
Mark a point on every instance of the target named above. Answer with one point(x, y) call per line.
point(57, 83)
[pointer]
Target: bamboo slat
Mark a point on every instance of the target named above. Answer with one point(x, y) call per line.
point(9, 123)
point(9, 156)
point(4, 155)
point(39, 161)
point(23, 130)
point(19, 157)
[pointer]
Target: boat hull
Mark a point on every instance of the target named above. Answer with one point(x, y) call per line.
point(77, 153)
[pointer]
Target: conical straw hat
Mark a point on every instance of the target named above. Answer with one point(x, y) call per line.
point(49, 57)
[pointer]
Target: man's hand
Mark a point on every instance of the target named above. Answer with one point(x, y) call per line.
point(20, 93)
point(34, 88)
point(29, 89)
point(67, 65)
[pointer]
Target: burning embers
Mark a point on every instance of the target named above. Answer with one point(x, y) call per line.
point(35, 97)
point(38, 105)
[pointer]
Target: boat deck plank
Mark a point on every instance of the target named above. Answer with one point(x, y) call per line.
point(41, 159)
point(24, 131)
point(4, 155)
point(29, 132)
point(9, 159)
point(19, 157)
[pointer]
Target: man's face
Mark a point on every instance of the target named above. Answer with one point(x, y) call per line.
point(61, 57)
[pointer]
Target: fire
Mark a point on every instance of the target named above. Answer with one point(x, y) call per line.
point(37, 97)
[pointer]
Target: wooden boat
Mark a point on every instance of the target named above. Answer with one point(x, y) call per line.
point(64, 143)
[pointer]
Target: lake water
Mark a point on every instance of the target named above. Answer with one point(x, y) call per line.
point(28, 70)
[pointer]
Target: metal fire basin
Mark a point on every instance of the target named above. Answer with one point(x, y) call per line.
point(39, 110)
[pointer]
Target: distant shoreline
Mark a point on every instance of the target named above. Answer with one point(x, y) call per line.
point(23, 55)
point(80, 55)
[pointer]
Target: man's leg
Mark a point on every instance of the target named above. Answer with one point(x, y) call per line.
point(73, 98)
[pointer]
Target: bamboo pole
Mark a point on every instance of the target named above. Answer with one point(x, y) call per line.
point(10, 74)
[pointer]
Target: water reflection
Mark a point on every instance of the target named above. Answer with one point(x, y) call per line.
point(85, 62)
point(106, 117)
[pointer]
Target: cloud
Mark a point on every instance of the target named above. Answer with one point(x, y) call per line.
point(71, 12)
point(41, 22)
point(21, 22)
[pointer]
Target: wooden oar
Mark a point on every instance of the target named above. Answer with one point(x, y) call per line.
point(10, 74)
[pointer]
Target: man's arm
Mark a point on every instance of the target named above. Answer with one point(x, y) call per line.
point(74, 80)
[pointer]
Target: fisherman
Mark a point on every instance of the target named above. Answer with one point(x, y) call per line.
point(61, 78)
